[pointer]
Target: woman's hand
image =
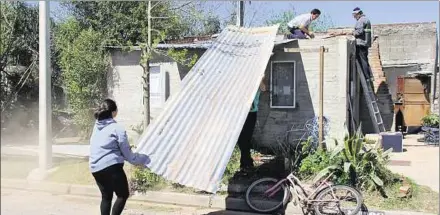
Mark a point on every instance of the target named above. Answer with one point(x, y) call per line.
point(263, 86)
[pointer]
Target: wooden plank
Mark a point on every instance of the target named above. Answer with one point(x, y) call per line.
point(296, 50)
point(321, 95)
point(413, 85)
point(415, 97)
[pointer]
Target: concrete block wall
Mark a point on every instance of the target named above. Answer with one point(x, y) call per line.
point(435, 107)
point(273, 123)
point(126, 87)
point(407, 42)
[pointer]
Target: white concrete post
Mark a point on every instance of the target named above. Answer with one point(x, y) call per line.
point(45, 103)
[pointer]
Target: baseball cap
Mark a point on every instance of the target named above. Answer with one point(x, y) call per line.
point(356, 10)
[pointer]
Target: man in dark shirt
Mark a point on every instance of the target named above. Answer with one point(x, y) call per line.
point(245, 139)
point(362, 34)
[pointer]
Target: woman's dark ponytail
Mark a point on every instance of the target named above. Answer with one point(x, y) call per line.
point(106, 109)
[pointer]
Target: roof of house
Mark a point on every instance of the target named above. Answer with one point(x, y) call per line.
point(192, 139)
point(399, 43)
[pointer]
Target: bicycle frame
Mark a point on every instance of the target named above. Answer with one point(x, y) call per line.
point(294, 183)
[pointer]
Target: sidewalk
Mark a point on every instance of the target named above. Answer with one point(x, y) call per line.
point(419, 162)
point(214, 205)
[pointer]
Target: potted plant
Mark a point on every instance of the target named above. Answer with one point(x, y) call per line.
point(430, 126)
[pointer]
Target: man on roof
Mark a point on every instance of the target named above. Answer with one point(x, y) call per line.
point(362, 34)
point(299, 26)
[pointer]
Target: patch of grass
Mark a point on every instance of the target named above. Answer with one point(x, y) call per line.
point(77, 172)
point(70, 141)
point(17, 168)
point(423, 199)
point(73, 172)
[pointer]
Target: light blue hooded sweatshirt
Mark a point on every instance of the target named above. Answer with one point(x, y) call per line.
point(109, 145)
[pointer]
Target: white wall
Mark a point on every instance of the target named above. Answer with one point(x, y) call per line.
point(126, 88)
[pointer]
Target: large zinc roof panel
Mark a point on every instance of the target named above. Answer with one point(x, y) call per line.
point(193, 138)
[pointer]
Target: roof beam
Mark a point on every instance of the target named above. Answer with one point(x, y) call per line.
point(296, 50)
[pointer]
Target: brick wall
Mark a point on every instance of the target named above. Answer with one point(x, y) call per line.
point(384, 99)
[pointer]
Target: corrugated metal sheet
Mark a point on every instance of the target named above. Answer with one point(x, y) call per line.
point(193, 138)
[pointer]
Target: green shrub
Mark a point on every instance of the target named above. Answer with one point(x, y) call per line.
point(431, 120)
point(143, 180)
point(364, 165)
point(233, 166)
point(317, 162)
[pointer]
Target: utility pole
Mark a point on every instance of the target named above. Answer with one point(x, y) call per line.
point(240, 13)
point(146, 76)
point(44, 100)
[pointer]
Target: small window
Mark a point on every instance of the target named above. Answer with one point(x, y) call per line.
point(283, 84)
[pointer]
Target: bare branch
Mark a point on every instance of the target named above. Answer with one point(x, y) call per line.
point(182, 6)
point(172, 58)
point(157, 3)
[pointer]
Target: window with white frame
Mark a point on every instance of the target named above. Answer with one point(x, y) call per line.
point(157, 86)
point(283, 84)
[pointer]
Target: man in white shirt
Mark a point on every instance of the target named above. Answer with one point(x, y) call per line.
point(299, 26)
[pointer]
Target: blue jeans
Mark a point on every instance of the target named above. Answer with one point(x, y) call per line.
point(296, 34)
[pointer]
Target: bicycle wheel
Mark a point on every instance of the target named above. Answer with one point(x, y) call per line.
point(330, 201)
point(261, 199)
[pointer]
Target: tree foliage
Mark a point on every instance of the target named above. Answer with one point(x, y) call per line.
point(18, 61)
point(19, 33)
point(84, 65)
point(282, 19)
point(125, 23)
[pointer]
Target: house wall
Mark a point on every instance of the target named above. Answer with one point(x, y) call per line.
point(125, 85)
point(405, 48)
point(403, 45)
point(273, 123)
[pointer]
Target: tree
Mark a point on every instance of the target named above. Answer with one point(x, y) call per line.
point(323, 23)
point(282, 18)
point(19, 34)
point(123, 24)
point(84, 65)
point(18, 62)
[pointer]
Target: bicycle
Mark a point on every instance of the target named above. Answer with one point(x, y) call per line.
point(310, 201)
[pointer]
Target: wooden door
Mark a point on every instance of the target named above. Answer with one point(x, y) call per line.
point(415, 100)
